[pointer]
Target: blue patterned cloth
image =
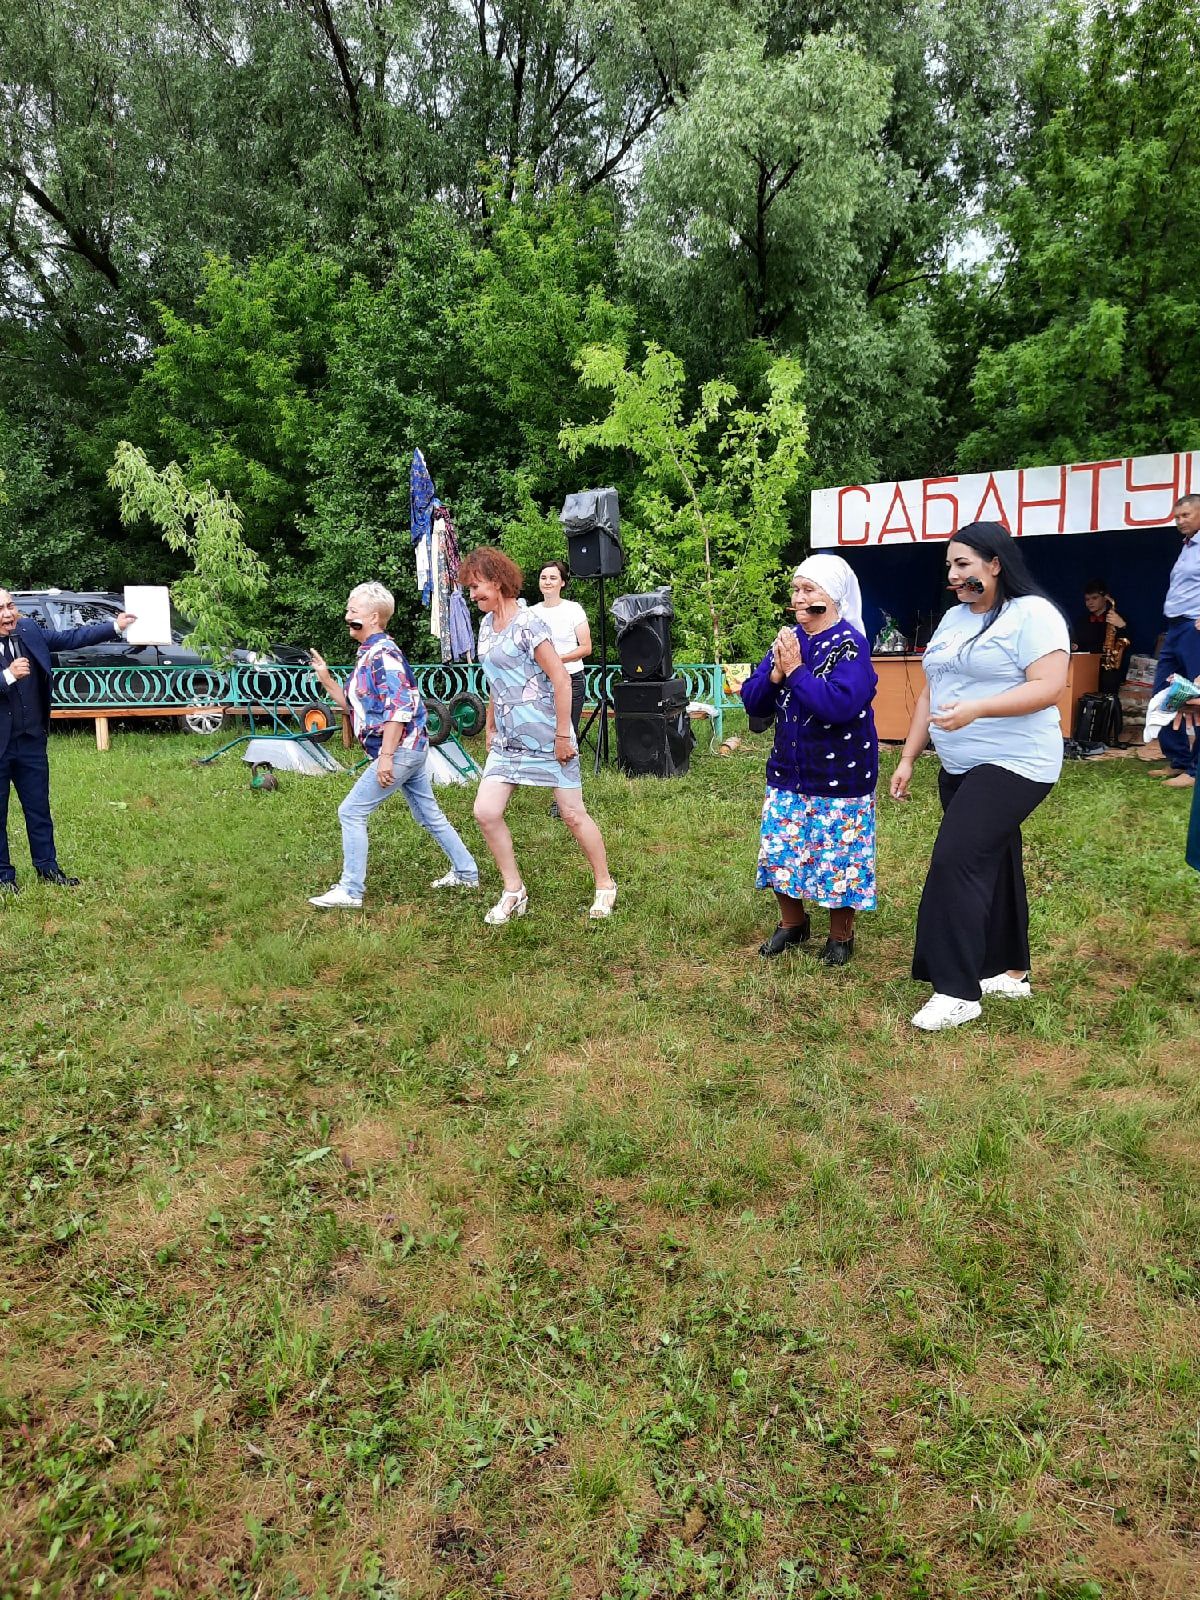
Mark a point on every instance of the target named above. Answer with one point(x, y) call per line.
point(421, 497)
point(819, 847)
point(382, 689)
point(522, 707)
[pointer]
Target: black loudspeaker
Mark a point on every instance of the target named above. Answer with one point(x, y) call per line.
point(645, 649)
point(644, 633)
point(591, 521)
point(640, 698)
point(654, 740)
point(595, 555)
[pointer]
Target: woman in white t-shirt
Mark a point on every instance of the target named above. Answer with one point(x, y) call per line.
point(994, 671)
point(569, 630)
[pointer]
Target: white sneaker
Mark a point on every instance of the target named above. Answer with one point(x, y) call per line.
point(944, 1011)
point(336, 896)
point(1010, 988)
point(454, 880)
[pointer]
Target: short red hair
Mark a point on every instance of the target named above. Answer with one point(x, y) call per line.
point(493, 566)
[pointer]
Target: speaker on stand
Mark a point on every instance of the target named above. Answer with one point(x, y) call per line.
point(591, 520)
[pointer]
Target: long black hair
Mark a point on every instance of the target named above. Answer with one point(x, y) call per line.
point(993, 542)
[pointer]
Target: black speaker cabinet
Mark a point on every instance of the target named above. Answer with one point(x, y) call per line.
point(656, 741)
point(595, 555)
point(645, 649)
point(641, 698)
point(591, 521)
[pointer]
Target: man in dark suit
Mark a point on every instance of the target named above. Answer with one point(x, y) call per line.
point(25, 726)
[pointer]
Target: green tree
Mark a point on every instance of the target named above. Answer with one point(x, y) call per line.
point(709, 515)
point(1091, 299)
point(224, 577)
point(231, 389)
point(826, 163)
point(542, 286)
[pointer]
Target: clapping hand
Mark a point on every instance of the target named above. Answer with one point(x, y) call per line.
point(786, 651)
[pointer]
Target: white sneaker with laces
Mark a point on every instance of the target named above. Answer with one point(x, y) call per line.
point(944, 1011)
point(336, 896)
point(454, 880)
point(1010, 988)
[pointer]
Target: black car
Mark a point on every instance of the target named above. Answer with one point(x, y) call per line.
point(77, 608)
point(58, 609)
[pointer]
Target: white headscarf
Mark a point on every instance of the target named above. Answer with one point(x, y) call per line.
point(837, 579)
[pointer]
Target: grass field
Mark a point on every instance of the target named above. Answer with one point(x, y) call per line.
point(388, 1255)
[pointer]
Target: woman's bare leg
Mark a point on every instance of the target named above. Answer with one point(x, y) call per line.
point(574, 814)
point(491, 799)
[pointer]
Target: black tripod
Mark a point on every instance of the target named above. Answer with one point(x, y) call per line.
point(600, 709)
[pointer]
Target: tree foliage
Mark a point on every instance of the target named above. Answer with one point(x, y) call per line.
point(709, 513)
point(1095, 322)
point(223, 577)
point(284, 245)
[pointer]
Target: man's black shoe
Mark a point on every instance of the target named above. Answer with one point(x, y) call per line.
point(59, 877)
point(837, 951)
point(783, 938)
point(9, 886)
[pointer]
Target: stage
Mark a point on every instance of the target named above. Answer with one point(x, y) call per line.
point(901, 681)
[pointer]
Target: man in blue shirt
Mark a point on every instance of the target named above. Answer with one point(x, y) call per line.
point(1180, 653)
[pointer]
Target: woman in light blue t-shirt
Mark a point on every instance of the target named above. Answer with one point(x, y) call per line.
point(994, 671)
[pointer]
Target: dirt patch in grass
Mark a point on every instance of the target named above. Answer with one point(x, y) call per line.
point(1150, 1564)
point(373, 1143)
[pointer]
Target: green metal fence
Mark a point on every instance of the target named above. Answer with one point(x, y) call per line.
point(96, 690)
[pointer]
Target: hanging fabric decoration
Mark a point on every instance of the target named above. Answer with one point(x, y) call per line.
point(435, 546)
point(421, 498)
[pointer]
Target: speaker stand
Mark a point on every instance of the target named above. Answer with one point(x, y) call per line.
point(600, 709)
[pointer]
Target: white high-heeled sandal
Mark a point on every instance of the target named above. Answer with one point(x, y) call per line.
point(512, 903)
point(602, 905)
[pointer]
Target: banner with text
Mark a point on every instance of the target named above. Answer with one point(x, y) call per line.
point(1086, 497)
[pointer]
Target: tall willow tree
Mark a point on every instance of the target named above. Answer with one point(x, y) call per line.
point(1091, 303)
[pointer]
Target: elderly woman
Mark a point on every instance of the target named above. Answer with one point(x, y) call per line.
point(530, 739)
point(818, 823)
point(389, 718)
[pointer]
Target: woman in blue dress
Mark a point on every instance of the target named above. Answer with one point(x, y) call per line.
point(530, 739)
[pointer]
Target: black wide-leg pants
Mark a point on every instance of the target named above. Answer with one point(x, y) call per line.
point(974, 915)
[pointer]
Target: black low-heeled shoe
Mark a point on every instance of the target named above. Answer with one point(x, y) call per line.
point(783, 939)
point(837, 951)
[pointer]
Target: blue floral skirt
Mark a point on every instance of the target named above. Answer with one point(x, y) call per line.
point(818, 847)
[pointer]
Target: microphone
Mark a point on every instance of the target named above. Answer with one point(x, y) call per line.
point(971, 585)
point(816, 611)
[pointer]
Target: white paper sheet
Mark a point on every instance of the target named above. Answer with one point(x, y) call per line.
point(151, 605)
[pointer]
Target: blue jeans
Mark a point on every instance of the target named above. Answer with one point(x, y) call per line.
point(411, 780)
point(1180, 653)
point(24, 766)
